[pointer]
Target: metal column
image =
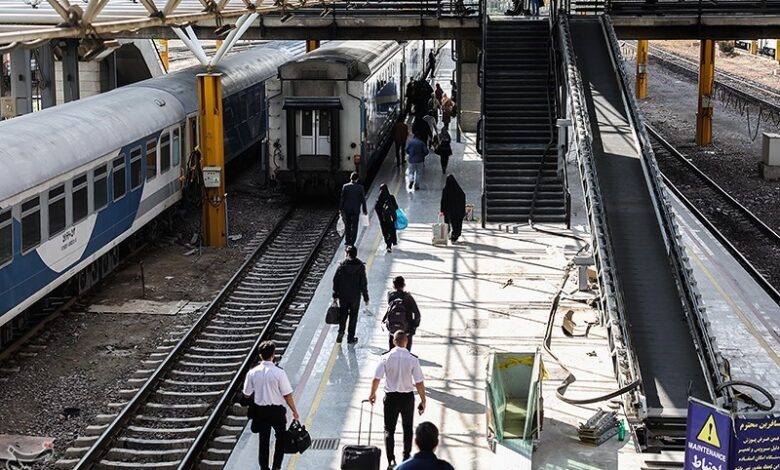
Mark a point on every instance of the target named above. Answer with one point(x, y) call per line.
point(21, 81)
point(213, 158)
point(47, 86)
point(642, 49)
point(706, 89)
point(163, 50)
point(70, 70)
point(754, 47)
point(312, 44)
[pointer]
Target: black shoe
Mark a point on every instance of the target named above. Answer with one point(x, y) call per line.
point(352, 340)
point(417, 187)
point(391, 465)
point(389, 249)
point(339, 338)
point(411, 183)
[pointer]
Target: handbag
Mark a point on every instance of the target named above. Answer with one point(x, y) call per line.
point(297, 439)
point(401, 220)
point(341, 227)
point(364, 221)
point(333, 315)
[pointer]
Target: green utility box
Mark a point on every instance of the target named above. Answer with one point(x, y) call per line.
point(513, 395)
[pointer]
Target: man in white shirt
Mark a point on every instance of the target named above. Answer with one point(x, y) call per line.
point(269, 389)
point(403, 375)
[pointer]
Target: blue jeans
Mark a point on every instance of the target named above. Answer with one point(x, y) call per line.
point(415, 173)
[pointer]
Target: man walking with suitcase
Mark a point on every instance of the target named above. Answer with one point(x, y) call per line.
point(269, 389)
point(403, 375)
point(349, 283)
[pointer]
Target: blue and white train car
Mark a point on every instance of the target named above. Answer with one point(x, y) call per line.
point(331, 111)
point(80, 179)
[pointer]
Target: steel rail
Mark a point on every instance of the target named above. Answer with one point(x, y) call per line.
point(749, 267)
point(97, 449)
point(195, 449)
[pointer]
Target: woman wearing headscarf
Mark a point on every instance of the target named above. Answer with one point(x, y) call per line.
point(444, 149)
point(386, 208)
point(453, 207)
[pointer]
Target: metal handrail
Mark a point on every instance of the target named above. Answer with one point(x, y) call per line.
point(481, 124)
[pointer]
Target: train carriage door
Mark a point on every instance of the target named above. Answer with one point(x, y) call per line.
point(306, 128)
point(323, 117)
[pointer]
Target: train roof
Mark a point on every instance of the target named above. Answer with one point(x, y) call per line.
point(340, 60)
point(239, 71)
point(40, 146)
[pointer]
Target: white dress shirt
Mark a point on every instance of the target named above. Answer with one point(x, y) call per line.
point(269, 383)
point(401, 370)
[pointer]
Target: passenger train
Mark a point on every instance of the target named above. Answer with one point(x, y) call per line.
point(331, 111)
point(80, 179)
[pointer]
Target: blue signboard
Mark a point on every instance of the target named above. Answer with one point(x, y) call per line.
point(708, 437)
point(756, 444)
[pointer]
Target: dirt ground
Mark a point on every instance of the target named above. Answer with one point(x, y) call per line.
point(733, 158)
point(77, 364)
point(758, 68)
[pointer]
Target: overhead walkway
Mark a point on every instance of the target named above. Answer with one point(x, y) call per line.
point(644, 271)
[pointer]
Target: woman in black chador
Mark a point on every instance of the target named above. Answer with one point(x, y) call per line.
point(386, 208)
point(453, 207)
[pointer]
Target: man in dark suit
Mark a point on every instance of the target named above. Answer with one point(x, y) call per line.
point(349, 284)
point(353, 199)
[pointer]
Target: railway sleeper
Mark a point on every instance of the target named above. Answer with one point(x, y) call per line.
point(226, 430)
point(222, 352)
point(209, 365)
point(223, 336)
point(128, 454)
point(95, 430)
point(206, 464)
point(216, 454)
point(105, 418)
point(218, 327)
point(165, 393)
point(174, 419)
point(188, 373)
point(226, 340)
point(114, 465)
point(224, 442)
point(184, 432)
point(221, 384)
point(215, 358)
point(234, 420)
point(157, 407)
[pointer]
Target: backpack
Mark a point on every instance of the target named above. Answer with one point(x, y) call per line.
point(396, 317)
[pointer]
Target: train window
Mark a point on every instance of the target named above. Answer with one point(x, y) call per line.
point(99, 188)
point(31, 223)
point(136, 174)
point(193, 126)
point(80, 201)
point(306, 122)
point(6, 237)
point(324, 130)
point(118, 172)
point(151, 159)
point(165, 152)
point(56, 210)
point(176, 147)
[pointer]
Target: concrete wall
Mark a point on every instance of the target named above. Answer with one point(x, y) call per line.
point(89, 79)
point(468, 88)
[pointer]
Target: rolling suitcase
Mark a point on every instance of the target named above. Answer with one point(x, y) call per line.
point(361, 457)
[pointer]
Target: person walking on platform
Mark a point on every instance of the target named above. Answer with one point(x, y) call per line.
point(417, 150)
point(402, 312)
point(386, 208)
point(400, 136)
point(403, 375)
point(444, 149)
point(447, 105)
point(453, 207)
point(426, 437)
point(267, 389)
point(438, 93)
point(421, 129)
point(353, 199)
point(349, 283)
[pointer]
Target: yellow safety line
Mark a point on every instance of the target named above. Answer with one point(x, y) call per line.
point(293, 464)
point(737, 310)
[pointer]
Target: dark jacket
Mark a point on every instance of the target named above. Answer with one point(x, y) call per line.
point(353, 198)
point(350, 281)
point(425, 460)
point(400, 133)
point(453, 200)
point(386, 207)
point(412, 311)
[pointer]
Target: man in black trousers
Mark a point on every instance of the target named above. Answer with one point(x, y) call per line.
point(403, 375)
point(353, 199)
point(268, 389)
point(349, 284)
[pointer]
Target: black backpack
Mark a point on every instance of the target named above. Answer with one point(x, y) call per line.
point(396, 317)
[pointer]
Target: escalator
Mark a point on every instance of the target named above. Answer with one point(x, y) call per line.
point(658, 326)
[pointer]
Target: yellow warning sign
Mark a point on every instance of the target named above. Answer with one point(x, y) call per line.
point(709, 433)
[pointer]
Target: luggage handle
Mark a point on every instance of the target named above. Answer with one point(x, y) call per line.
point(370, 422)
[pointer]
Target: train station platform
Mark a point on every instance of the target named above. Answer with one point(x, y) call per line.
point(492, 290)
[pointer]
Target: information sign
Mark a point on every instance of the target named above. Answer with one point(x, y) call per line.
point(708, 437)
point(756, 444)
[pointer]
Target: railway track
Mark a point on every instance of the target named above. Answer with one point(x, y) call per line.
point(753, 243)
point(182, 412)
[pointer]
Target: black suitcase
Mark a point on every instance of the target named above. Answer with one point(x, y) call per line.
point(361, 457)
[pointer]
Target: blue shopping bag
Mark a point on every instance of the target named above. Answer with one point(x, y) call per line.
point(401, 221)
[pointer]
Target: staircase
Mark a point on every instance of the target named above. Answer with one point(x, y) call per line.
point(516, 117)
